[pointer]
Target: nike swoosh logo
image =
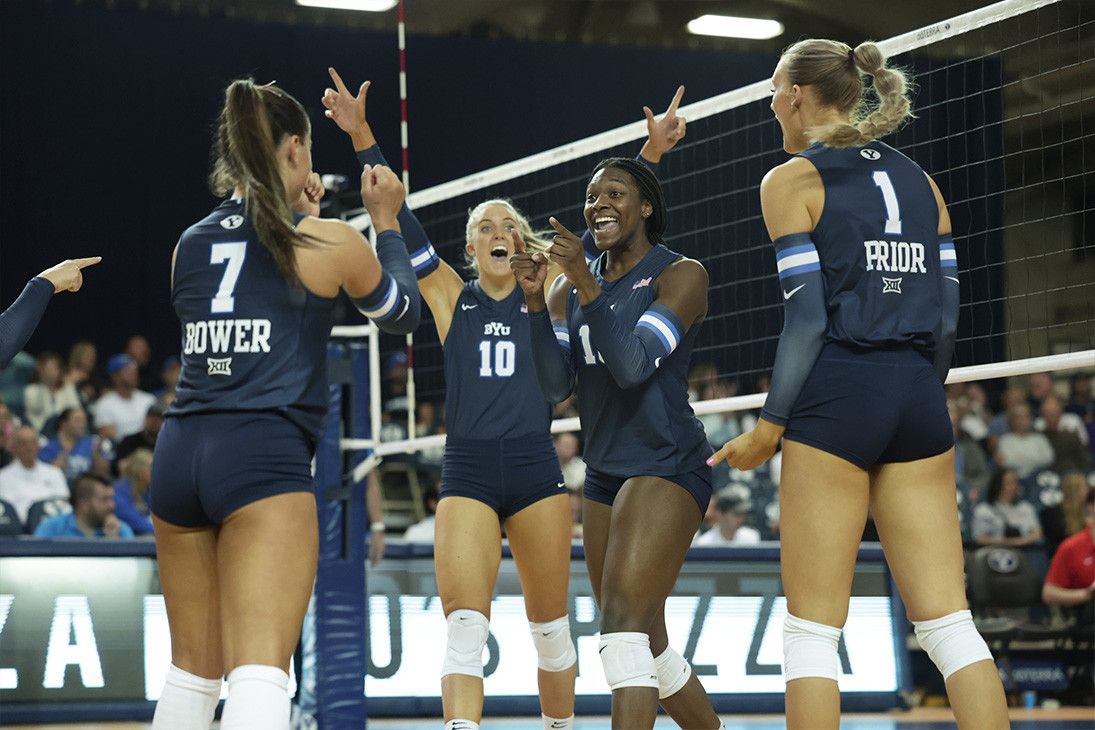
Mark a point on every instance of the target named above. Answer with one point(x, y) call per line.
point(466, 307)
point(561, 485)
point(952, 278)
point(788, 294)
point(406, 305)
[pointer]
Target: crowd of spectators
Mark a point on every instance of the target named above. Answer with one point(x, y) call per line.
point(77, 437)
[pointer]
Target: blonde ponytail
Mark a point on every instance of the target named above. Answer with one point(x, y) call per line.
point(836, 72)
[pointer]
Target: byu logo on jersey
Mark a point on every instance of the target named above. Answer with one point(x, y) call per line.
point(870, 154)
point(232, 221)
point(891, 286)
point(219, 366)
point(496, 328)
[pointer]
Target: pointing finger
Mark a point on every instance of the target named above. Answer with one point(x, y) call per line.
point(563, 230)
point(518, 242)
point(84, 263)
point(676, 100)
point(338, 80)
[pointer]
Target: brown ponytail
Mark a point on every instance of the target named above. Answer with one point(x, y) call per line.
point(836, 72)
point(251, 126)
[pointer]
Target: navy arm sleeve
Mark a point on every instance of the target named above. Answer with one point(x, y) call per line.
point(395, 306)
point(632, 356)
point(18, 321)
point(551, 355)
point(423, 256)
point(949, 300)
point(805, 321)
point(587, 237)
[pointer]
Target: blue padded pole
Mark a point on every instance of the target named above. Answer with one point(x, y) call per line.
point(340, 581)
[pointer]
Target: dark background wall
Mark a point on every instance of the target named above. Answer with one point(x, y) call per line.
point(105, 123)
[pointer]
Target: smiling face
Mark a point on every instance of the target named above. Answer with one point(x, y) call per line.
point(490, 240)
point(615, 212)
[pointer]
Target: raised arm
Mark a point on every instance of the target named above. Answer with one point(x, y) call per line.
point(439, 283)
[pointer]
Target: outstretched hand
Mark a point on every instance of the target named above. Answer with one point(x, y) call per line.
point(344, 109)
point(751, 449)
point(68, 275)
point(529, 268)
point(663, 134)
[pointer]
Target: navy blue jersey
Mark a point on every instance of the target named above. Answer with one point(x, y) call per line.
point(650, 429)
point(251, 340)
point(878, 247)
point(491, 391)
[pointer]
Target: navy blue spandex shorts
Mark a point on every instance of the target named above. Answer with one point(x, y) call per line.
point(872, 406)
point(208, 465)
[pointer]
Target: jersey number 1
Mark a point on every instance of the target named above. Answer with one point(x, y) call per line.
point(233, 253)
point(889, 197)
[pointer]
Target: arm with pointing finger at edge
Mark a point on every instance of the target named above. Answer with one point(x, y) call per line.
point(18, 321)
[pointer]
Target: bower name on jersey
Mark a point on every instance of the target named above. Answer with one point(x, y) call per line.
point(227, 336)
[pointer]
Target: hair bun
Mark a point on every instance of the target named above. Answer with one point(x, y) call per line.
point(868, 58)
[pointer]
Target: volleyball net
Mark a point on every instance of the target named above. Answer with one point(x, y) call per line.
point(1005, 124)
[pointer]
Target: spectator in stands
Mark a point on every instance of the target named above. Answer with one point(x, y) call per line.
point(1021, 448)
point(1004, 519)
point(1064, 520)
point(82, 358)
point(48, 394)
point(143, 439)
point(27, 480)
point(7, 429)
point(731, 508)
point(1013, 396)
point(971, 467)
point(422, 531)
point(574, 469)
point(1063, 430)
point(1040, 388)
point(92, 513)
point(973, 410)
point(395, 384)
point(121, 412)
point(73, 450)
point(131, 491)
point(140, 352)
point(1070, 582)
point(1080, 401)
point(169, 375)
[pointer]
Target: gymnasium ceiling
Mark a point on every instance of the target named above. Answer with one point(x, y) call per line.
point(658, 23)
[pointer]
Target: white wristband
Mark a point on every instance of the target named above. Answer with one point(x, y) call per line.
point(377, 527)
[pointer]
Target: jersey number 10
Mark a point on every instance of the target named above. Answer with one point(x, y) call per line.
point(504, 360)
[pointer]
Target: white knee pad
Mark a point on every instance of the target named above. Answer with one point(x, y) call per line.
point(952, 641)
point(809, 649)
point(554, 646)
point(467, 636)
point(627, 661)
point(673, 672)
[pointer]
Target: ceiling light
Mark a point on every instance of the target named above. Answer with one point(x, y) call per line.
point(371, 6)
point(729, 26)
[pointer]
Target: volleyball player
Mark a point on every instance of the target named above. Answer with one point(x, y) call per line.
point(500, 466)
point(624, 328)
point(254, 284)
point(868, 273)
